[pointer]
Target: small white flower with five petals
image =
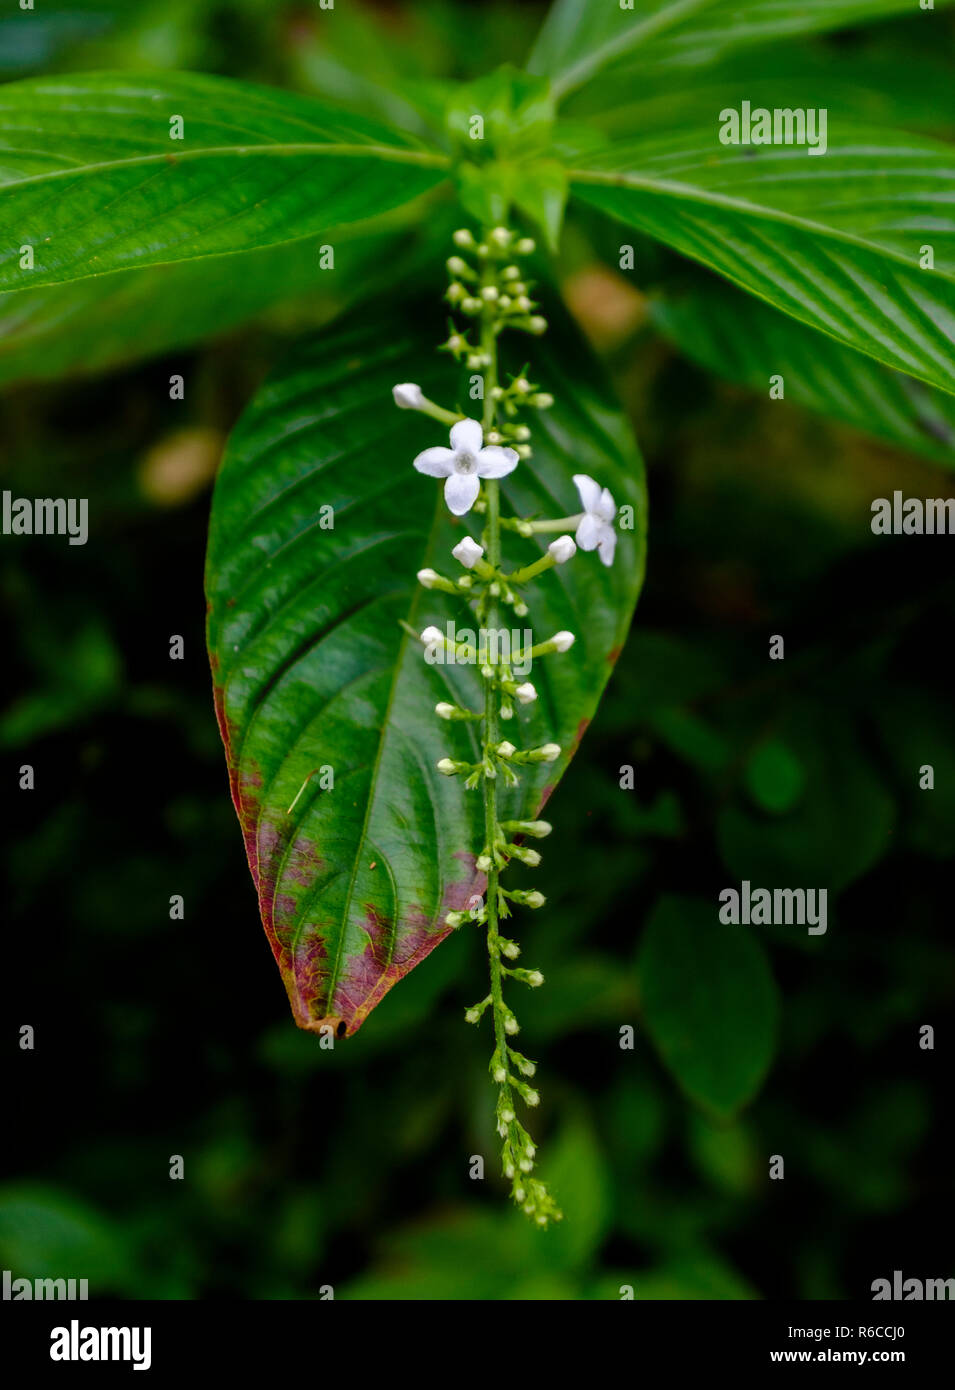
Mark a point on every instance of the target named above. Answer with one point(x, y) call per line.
point(465, 464)
point(595, 528)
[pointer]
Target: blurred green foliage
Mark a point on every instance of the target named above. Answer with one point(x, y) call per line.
point(306, 1167)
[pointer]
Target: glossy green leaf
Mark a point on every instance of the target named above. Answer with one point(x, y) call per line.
point(833, 241)
point(709, 1002)
point(744, 340)
point(582, 38)
point(733, 24)
point(93, 182)
point(313, 670)
point(87, 326)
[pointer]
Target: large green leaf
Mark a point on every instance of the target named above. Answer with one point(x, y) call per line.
point(834, 241)
point(92, 180)
point(743, 340)
point(311, 667)
point(709, 1002)
point(733, 24)
point(87, 326)
point(875, 83)
point(583, 37)
point(580, 37)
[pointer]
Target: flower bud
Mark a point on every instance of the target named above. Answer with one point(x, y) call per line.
point(470, 305)
point(463, 237)
point(501, 236)
point(543, 400)
point(408, 395)
point(499, 1074)
point(456, 266)
point(432, 634)
point(534, 899)
point(489, 293)
point(534, 978)
point(445, 711)
point(506, 749)
point(537, 324)
point(508, 1116)
point(564, 548)
point(537, 829)
point(447, 766)
point(510, 272)
point(428, 578)
point(547, 753)
point(526, 693)
point(563, 641)
point(511, 1025)
point(468, 552)
point(483, 863)
point(525, 246)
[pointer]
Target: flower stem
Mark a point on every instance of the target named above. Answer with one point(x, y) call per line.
point(492, 697)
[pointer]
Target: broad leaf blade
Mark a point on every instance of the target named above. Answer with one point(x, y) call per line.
point(581, 38)
point(92, 181)
point(743, 340)
point(833, 241)
point(312, 669)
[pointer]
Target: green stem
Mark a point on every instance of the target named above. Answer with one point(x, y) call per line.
point(492, 693)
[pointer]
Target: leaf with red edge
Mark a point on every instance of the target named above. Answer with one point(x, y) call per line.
point(312, 668)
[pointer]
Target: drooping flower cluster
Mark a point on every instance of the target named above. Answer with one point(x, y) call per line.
point(492, 292)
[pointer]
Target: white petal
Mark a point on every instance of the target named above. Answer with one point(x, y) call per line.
point(588, 532)
point(589, 494)
point(495, 462)
point(467, 435)
point(437, 462)
point(606, 508)
point(607, 544)
point(460, 492)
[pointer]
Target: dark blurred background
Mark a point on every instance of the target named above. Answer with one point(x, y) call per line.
point(156, 1037)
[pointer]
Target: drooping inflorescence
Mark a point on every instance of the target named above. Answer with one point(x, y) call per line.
point(490, 291)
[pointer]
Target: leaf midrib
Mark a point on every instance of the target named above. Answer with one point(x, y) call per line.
point(394, 154)
point(692, 193)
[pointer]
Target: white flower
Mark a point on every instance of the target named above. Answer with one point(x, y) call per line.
point(428, 578)
point(526, 693)
point(563, 549)
point(408, 395)
point(563, 641)
point(595, 528)
point(468, 552)
point(465, 464)
point(506, 750)
point(432, 634)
